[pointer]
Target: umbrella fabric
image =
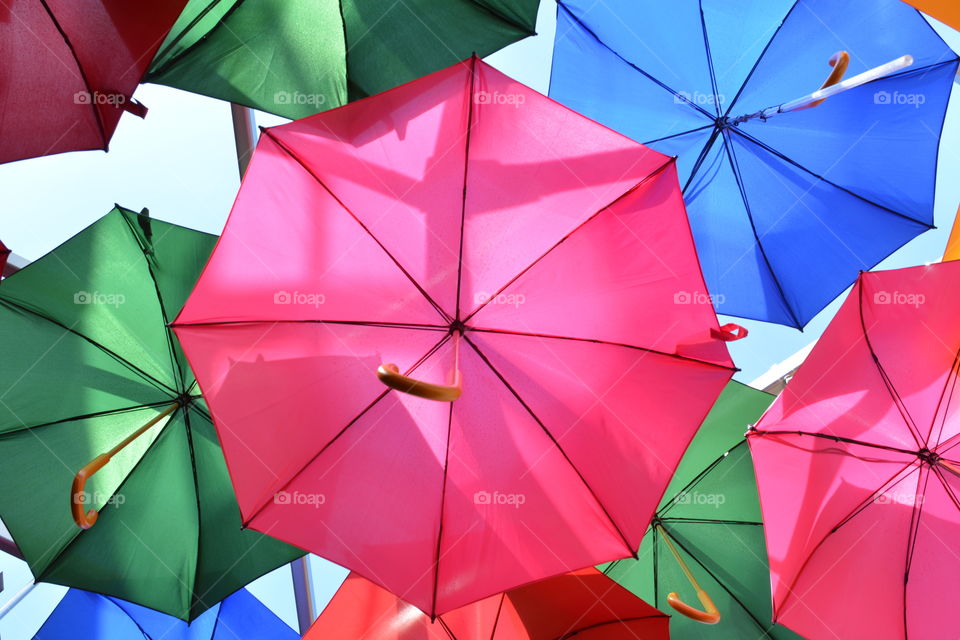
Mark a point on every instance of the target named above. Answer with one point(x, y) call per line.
point(82, 615)
point(584, 604)
point(295, 58)
point(462, 222)
point(858, 467)
point(952, 251)
point(88, 360)
point(764, 195)
point(68, 69)
point(711, 513)
point(4, 254)
point(946, 11)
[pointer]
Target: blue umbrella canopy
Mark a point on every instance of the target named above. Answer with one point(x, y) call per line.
point(787, 209)
point(83, 615)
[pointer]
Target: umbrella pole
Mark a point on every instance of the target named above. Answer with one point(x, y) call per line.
point(244, 134)
point(303, 592)
point(17, 598)
point(86, 519)
point(711, 615)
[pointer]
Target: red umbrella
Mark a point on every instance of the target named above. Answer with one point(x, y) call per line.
point(585, 604)
point(4, 254)
point(859, 469)
point(533, 269)
point(68, 69)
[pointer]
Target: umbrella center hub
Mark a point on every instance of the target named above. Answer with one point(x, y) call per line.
point(928, 456)
point(457, 326)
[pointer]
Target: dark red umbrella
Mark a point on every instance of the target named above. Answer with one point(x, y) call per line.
point(4, 254)
point(68, 69)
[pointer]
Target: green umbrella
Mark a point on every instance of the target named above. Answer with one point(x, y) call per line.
point(710, 518)
point(88, 362)
point(295, 58)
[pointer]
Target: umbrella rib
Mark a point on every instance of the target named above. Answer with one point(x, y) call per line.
point(372, 323)
point(734, 165)
point(701, 158)
point(677, 135)
point(174, 364)
point(712, 521)
point(131, 618)
point(556, 443)
point(166, 66)
point(443, 500)
point(700, 476)
point(710, 66)
point(887, 382)
point(821, 178)
point(915, 514)
point(953, 376)
point(466, 170)
point(677, 96)
point(507, 19)
point(608, 623)
point(83, 75)
point(756, 433)
point(88, 416)
point(603, 342)
point(383, 394)
point(194, 598)
point(650, 176)
point(343, 205)
point(147, 377)
point(719, 582)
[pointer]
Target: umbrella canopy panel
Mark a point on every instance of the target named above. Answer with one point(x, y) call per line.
point(88, 359)
point(68, 69)
point(295, 58)
point(460, 223)
point(763, 193)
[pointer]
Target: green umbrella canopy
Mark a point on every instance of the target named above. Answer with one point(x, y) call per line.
point(87, 361)
point(296, 58)
point(711, 514)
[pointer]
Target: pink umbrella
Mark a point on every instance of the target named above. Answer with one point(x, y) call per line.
point(858, 466)
point(533, 276)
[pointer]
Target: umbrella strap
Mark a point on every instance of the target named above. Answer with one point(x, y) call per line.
point(729, 332)
point(78, 494)
point(710, 614)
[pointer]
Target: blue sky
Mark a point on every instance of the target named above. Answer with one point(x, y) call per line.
point(180, 162)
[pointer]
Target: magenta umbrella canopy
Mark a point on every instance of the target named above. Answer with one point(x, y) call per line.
point(859, 469)
point(533, 266)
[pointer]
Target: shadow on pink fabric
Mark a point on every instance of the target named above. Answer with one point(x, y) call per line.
point(464, 228)
point(857, 464)
point(584, 604)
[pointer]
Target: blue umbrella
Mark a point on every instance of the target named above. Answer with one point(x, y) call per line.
point(82, 615)
point(786, 206)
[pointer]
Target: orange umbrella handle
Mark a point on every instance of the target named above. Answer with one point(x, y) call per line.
point(86, 519)
point(711, 615)
point(390, 375)
point(839, 61)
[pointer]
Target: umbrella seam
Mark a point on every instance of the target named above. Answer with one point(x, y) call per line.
point(710, 65)
point(361, 323)
point(660, 84)
point(915, 515)
point(466, 170)
point(443, 499)
point(343, 205)
point(173, 61)
point(952, 377)
point(556, 443)
point(124, 611)
point(700, 476)
point(87, 416)
point(83, 75)
point(732, 159)
point(647, 143)
point(194, 597)
point(623, 621)
point(507, 19)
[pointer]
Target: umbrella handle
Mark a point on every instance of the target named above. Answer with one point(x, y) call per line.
point(711, 615)
point(86, 519)
point(389, 374)
point(839, 61)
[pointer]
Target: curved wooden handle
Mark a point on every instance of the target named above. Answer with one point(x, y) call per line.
point(78, 495)
point(839, 61)
point(389, 374)
point(711, 615)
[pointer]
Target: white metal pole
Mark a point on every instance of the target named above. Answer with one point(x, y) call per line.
point(244, 134)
